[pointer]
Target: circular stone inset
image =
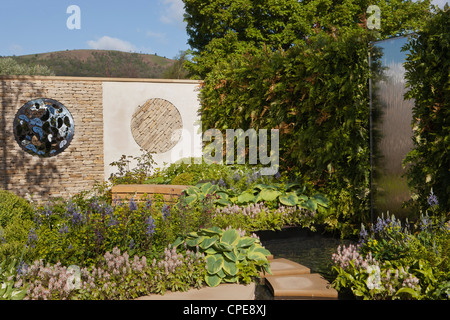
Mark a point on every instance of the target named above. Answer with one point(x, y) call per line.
point(156, 126)
point(43, 127)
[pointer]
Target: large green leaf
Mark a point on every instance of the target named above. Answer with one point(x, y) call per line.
point(231, 236)
point(310, 204)
point(211, 231)
point(190, 200)
point(206, 242)
point(245, 242)
point(222, 247)
point(213, 280)
point(321, 200)
point(269, 194)
point(195, 241)
point(258, 248)
point(214, 264)
point(301, 198)
point(223, 202)
point(256, 256)
point(230, 268)
point(246, 197)
point(262, 186)
point(288, 199)
point(192, 190)
point(231, 255)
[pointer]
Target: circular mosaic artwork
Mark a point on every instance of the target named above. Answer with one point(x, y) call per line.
point(156, 126)
point(43, 127)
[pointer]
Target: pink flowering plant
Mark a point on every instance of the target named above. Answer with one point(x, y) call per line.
point(118, 276)
point(258, 216)
point(396, 261)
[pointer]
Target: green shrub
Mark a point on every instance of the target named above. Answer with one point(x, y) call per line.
point(8, 288)
point(257, 217)
point(138, 174)
point(185, 178)
point(14, 238)
point(230, 256)
point(12, 205)
point(395, 261)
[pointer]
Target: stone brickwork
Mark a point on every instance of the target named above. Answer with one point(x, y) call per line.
point(156, 126)
point(80, 165)
point(106, 114)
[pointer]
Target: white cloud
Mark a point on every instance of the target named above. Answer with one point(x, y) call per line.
point(173, 13)
point(108, 43)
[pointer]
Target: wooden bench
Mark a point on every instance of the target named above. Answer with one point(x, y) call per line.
point(141, 192)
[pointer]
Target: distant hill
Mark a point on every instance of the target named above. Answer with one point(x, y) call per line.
point(99, 63)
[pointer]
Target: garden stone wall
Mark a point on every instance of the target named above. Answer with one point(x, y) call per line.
point(97, 140)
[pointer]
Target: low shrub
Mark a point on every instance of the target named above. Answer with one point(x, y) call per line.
point(230, 255)
point(14, 238)
point(12, 205)
point(185, 178)
point(9, 290)
point(395, 261)
point(116, 277)
point(255, 217)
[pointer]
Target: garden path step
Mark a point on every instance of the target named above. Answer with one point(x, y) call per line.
point(300, 287)
point(281, 266)
point(291, 280)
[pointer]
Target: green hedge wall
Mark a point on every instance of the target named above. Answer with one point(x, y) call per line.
point(302, 68)
point(428, 80)
point(316, 94)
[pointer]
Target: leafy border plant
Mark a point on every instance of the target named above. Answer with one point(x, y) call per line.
point(230, 256)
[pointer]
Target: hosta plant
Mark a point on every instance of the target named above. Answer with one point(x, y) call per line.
point(230, 255)
point(277, 194)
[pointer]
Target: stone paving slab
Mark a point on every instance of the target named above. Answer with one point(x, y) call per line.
point(225, 291)
point(281, 266)
point(300, 286)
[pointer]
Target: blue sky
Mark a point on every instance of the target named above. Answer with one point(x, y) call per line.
point(147, 26)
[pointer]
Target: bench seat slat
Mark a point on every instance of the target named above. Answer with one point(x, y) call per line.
point(170, 193)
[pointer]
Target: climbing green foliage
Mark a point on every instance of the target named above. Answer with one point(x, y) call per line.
point(428, 80)
point(300, 67)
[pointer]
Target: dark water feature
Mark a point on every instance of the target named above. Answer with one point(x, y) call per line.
point(311, 249)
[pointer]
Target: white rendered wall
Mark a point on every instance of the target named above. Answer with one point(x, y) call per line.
point(122, 99)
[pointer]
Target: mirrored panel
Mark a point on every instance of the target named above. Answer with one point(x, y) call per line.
point(393, 127)
point(43, 127)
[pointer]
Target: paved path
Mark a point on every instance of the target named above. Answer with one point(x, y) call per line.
point(226, 291)
point(289, 280)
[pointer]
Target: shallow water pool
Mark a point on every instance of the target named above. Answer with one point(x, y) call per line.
point(311, 249)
